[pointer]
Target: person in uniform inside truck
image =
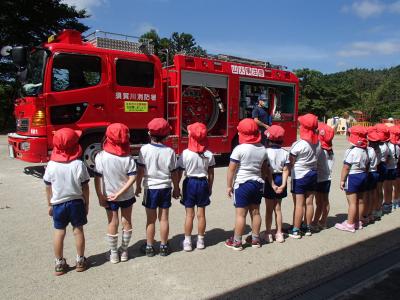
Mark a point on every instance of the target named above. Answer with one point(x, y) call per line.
point(261, 116)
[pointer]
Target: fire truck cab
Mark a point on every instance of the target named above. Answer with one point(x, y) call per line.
point(89, 84)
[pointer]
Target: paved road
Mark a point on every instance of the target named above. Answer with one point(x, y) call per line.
point(26, 256)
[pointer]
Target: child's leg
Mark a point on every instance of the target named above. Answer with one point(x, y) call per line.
point(126, 220)
point(256, 219)
point(58, 242)
point(352, 200)
point(151, 225)
point(113, 222)
point(278, 215)
point(387, 191)
point(318, 208)
point(79, 240)
point(361, 206)
point(396, 191)
point(240, 222)
point(325, 208)
point(189, 221)
point(294, 206)
point(201, 220)
point(299, 209)
point(380, 196)
point(269, 204)
point(309, 207)
point(163, 218)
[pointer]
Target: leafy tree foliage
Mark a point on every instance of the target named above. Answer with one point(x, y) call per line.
point(29, 23)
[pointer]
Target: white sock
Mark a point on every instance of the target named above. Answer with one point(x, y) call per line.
point(188, 238)
point(200, 237)
point(126, 238)
point(113, 242)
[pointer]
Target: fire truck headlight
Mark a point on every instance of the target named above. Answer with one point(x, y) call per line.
point(25, 146)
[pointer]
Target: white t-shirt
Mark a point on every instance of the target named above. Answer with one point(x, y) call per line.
point(357, 159)
point(306, 158)
point(195, 165)
point(250, 158)
point(384, 151)
point(277, 158)
point(393, 158)
point(373, 160)
point(158, 161)
point(325, 165)
point(115, 171)
point(66, 180)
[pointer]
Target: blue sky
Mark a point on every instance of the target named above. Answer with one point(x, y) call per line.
point(325, 35)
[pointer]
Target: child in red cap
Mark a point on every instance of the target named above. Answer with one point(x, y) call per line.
point(303, 158)
point(67, 190)
point(389, 187)
point(278, 159)
point(384, 136)
point(324, 170)
point(371, 194)
point(248, 164)
point(157, 166)
point(115, 173)
point(396, 195)
point(354, 178)
point(198, 164)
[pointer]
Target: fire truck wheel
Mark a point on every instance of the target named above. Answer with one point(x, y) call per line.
point(91, 145)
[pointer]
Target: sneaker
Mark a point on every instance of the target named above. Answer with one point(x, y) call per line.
point(81, 264)
point(255, 243)
point(344, 226)
point(61, 267)
point(149, 250)
point(359, 225)
point(114, 257)
point(308, 231)
point(268, 238)
point(230, 243)
point(164, 250)
point(187, 245)
point(295, 234)
point(387, 208)
point(279, 237)
point(200, 244)
point(124, 255)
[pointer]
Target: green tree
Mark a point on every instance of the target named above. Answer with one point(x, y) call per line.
point(29, 23)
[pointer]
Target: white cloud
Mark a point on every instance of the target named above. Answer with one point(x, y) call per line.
point(387, 47)
point(144, 27)
point(85, 4)
point(370, 8)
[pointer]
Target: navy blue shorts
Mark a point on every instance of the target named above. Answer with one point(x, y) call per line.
point(269, 192)
point(195, 192)
point(382, 170)
point(323, 187)
point(248, 193)
point(154, 198)
point(391, 174)
point(372, 181)
point(398, 172)
point(72, 211)
point(115, 205)
point(356, 183)
point(306, 184)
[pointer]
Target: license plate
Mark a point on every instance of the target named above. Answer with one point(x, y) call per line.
point(11, 151)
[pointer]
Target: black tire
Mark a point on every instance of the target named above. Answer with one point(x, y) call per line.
point(91, 145)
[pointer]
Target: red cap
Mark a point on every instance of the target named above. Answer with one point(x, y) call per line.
point(308, 128)
point(159, 127)
point(66, 146)
point(117, 140)
point(373, 135)
point(248, 132)
point(325, 135)
point(394, 134)
point(275, 133)
point(198, 141)
point(383, 132)
point(358, 136)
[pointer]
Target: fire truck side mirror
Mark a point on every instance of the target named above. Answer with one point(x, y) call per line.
point(19, 56)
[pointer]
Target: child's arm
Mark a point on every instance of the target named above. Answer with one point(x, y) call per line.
point(210, 179)
point(49, 195)
point(139, 178)
point(85, 194)
point(267, 174)
point(233, 166)
point(180, 174)
point(99, 192)
point(127, 185)
point(176, 193)
point(285, 175)
point(343, 176)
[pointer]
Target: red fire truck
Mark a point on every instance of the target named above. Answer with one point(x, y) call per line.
point(87, 84)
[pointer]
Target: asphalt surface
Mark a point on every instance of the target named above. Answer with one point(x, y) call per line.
point(275, 270)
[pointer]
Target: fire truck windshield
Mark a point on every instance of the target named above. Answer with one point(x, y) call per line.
point(32, 85)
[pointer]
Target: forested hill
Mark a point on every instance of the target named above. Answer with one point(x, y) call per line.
point(375, 92)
